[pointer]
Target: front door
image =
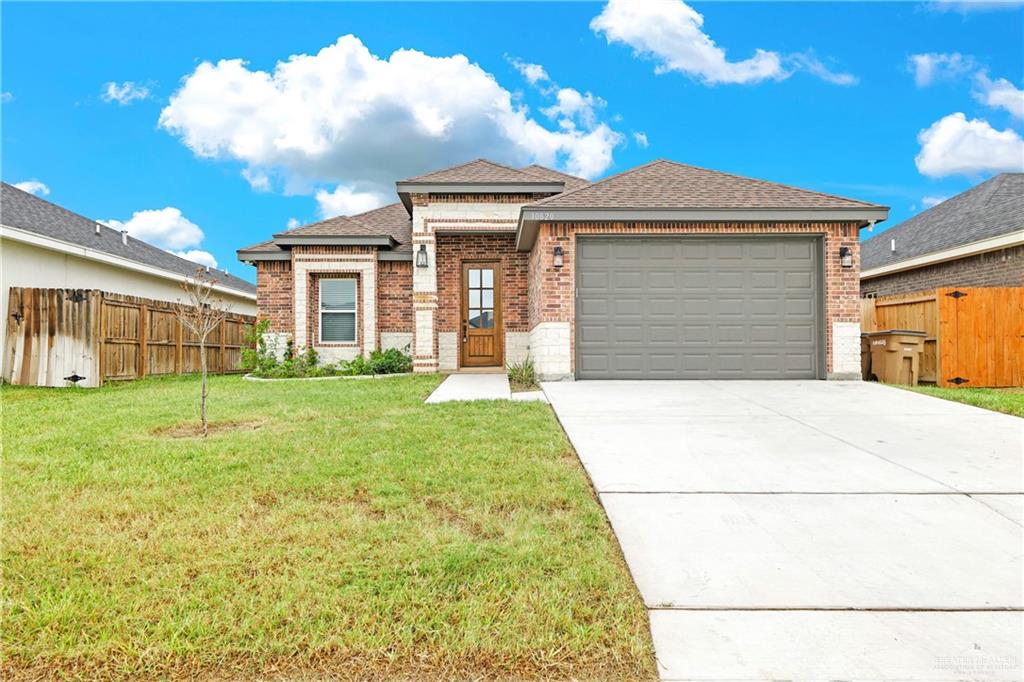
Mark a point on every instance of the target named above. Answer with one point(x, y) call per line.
point(481, 314)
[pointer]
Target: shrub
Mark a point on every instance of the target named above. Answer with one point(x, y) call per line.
point(307, 363)
point(522, 373)
point(254, 350)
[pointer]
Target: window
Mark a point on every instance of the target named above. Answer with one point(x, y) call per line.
point(338, 310)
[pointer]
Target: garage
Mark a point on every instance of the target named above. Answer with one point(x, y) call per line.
point(699, 307)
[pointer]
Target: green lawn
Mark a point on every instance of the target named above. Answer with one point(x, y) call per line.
point(1008, 400)
point(347, 530)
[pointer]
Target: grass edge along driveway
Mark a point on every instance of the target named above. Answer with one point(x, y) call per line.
point(344, 529)
point(1006, 400)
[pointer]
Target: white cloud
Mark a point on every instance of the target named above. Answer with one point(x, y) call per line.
point(574, 106)
point(345, 200)
point(196, 256)
point(967, 6)
point(928, 202)
point(533, 73)
point(999, 93)
point(641, 139)
point(955, 146)
point(164, 227)
point(346, 116)
point(933, 66)
point(293, 223)
point(124, 93)
point(671, 33)
point(33, 186)
point(6, 97)
point(257, 179)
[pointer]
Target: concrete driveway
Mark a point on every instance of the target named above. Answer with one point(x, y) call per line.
point(811, 530)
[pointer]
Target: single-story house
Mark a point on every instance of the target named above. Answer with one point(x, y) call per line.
point(44, 245)
point(975, 239)
point(662, 271)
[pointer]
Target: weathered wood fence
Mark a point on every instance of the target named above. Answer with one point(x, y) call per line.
point(975, 336)
point(55, 335)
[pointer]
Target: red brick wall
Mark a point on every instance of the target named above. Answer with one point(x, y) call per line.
point(441, 198)
point(552, 290)
point(394, 296)
point(452, 250)
point(274, 294)
point(1004, 268)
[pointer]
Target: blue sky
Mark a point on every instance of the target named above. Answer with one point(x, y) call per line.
point(125, 112)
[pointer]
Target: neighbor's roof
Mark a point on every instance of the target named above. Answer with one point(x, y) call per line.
point(24, 211)
point(387, 221)
point(478, 171)
point(667, 184)
point(991, 209)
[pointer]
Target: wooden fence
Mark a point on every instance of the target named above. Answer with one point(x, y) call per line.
point(55, 335)
point(974, 336)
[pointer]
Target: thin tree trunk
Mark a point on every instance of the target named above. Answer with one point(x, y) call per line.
point(202, 398)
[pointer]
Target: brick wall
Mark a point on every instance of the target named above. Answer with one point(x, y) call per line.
point(441, 198)
point(313, 310)
point(274, 294)
point(394, 296)
point(452, 250)
point(552, 290)
point(1004, 268)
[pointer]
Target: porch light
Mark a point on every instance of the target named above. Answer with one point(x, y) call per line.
point(846, 256)
point(421, 256)
point(559, 256)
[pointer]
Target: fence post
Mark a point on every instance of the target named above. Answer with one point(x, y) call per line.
point(143, 339)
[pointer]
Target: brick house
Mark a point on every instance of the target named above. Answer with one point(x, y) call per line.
point(662, 271)
point(975, 239)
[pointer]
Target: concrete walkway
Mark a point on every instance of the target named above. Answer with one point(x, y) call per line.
point(480, 386)
point(811, 530)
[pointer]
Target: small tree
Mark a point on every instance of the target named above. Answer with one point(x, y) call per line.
point(201, 314)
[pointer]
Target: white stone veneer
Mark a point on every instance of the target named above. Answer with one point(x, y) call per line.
point(367, 269)
point(845, 351)
point(447, 351)
point(517, 347)
point(400, 340)
point(276, 343)
point(551, 351)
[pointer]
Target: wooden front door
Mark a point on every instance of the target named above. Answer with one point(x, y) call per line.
point(481, 314)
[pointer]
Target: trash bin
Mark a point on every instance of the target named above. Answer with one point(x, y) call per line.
point(865, 357)
point(896, 355)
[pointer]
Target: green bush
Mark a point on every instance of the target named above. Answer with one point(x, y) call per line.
point(307, 362)
point(522, 374)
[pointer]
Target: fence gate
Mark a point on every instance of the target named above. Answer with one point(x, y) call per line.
point(50, 338)
point(981, 333)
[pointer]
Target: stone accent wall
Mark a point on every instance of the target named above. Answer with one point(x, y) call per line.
point(1003, 268)
point(552, 290)
point(309, 265)
point(274, 294)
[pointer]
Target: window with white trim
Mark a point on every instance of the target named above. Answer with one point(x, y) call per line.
point(338, 310)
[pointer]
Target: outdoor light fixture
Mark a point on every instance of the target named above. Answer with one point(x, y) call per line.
point(846, 256)
point(421, 256)
point(559, 256)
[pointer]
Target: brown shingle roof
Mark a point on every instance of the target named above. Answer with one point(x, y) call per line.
point(268, 246)
point(480, 170)
point(544, 173)
point(667, 184)
point(391, 220)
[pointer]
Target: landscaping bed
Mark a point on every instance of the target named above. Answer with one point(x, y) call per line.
point(348, 531)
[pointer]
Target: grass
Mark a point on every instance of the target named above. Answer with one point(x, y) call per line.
point(336, 529)
point(1008, 400)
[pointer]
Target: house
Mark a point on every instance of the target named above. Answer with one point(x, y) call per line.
point(44, 245)
point(975, 239)
point(662, 271)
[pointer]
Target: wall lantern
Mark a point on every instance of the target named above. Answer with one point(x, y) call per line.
point(559, 256)
point(421, 256)
point(846, 256)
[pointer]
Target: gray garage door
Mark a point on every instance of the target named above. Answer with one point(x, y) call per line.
point(698, 308)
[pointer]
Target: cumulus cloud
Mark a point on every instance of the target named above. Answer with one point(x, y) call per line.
point(345, 200)
point(999, 94)
point(164, 227)
point(928, 202)
point(671, 33)
point(6, 97)
point(954, 145)
point(197, 256)
point(934, 66)
point(33, 186)
point(533, 73)
point(293, 223)
point(575, 106)
point(346, 116)
point(124, 93)
point(641, 139)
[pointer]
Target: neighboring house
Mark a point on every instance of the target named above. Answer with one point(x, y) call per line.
point(975, 239)
point(663, 271)
point(44, 245)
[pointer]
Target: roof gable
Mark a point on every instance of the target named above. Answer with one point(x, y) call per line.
point(477, 171)
point(664, 184)
point(991, 209)
point(571, 181)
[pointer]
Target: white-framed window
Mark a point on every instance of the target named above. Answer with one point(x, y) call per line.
point(338, 321)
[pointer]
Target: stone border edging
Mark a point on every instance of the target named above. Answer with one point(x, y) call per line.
point(250, 377)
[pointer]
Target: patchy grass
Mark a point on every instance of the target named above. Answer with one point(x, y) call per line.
point(356, 534)
point(1008, 400)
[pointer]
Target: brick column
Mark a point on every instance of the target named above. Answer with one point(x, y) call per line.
point(424, 291)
